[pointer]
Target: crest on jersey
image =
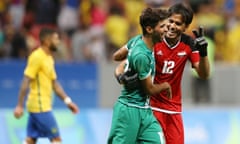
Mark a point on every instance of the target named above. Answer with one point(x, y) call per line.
point(183, 53)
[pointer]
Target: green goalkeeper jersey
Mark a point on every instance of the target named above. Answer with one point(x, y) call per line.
point(140, 60)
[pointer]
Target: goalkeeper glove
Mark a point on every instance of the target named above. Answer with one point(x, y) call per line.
point(200, 42)
point(129, 79)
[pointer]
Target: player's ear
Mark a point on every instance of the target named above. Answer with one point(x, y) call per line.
point(149, 29)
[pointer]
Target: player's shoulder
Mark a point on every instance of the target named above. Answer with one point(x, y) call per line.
point(134, 39)
point(36, 54)
point(159, 45)
point(141, 53)
point(188, 40)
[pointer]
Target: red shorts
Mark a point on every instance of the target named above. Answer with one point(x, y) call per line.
point(172, 125)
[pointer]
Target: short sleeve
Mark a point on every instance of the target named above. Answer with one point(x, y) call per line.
point(142, 64)
point(33, 66)
point(194, 56)
point(54, 74)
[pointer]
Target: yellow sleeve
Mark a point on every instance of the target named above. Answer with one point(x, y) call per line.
point(54, 75)
point(33, 66)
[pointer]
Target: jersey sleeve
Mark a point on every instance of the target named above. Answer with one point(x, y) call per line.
point(194, 55)
point(128, 45)
point(54, 74)
point(33, 66)
point(142, 65)
point(131, 43)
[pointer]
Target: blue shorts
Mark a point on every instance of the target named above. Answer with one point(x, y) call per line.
point(42, 125)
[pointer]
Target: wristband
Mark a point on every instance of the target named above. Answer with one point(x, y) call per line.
point(67, 100)
point(203, 52)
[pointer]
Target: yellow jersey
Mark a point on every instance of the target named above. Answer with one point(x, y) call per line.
point(40, 68)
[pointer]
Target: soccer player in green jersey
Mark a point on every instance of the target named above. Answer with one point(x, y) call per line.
point(132, 119)
point(41, 79)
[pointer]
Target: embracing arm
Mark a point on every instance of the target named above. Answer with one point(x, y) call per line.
point(153, 89)
point(120, 54)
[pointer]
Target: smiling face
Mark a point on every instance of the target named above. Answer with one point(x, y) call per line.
point(176, 27)
point(159, 31)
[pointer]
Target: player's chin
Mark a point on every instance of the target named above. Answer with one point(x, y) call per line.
point(172, 34)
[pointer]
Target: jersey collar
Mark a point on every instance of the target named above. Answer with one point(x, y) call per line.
point(165, 41)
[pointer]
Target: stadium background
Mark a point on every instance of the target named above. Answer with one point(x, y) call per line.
point(91, 30)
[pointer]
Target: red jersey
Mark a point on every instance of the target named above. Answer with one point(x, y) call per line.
point(170, 63)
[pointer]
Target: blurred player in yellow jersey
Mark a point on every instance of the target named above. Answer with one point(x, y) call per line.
point(41, 80)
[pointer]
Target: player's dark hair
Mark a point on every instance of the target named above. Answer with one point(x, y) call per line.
point(163, 13)
point(150, 17)
point(45, 32)
point(184, 10)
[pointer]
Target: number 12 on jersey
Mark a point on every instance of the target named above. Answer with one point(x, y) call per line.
point(168, 67)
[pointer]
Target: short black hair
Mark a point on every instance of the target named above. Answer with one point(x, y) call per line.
point(163, 13)
point(151, 17)
point(44, 32)
point(184, 10)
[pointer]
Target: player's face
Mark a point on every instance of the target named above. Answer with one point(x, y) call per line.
point(159, 31)
point(163, 27)
point(54, 42)
point(176, 26)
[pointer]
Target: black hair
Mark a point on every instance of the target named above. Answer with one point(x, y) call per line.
point(45, 32)
point(163, 13)
point(184, 10)
point(151, 17)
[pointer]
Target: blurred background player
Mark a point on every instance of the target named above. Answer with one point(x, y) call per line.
point(41, 79)
point(132, 119)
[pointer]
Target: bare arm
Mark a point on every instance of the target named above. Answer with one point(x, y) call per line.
point(119, 69)
point(62, 95)
point(18, 112)
point(120, 54)
point(23, 90)
point(153, 89)
point(59, 90)
point(203, 67)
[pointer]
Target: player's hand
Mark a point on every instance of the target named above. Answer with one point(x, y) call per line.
point(167, 88)
point(129, 79)
point(73, 107)
point(126, 78)
point(18, 112)
point(200, 42)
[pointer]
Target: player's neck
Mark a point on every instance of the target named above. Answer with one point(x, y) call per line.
point(148, 41)
point(172, 41)
point(46, 50)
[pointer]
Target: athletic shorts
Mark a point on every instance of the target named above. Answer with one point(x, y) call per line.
point(42, 125)
point(132, 125)
point(172, 125)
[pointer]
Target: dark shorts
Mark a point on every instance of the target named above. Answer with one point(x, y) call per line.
point(42, 125)
point(131, 125)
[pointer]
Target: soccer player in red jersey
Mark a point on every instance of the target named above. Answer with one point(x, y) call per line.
point(171, 56)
